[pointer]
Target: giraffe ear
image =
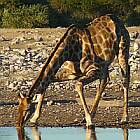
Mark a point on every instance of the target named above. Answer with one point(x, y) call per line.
point(20, 95)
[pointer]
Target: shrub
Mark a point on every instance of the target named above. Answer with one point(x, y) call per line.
point(25, 16)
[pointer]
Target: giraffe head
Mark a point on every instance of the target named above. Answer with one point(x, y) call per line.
point(22, 108)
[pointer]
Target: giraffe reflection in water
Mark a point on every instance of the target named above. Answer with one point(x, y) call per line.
point(22, 135)
point(90, 134)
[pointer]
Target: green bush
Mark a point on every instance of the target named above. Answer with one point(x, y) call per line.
point(25, 16)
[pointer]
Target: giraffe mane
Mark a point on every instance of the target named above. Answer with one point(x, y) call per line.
point(57, 45)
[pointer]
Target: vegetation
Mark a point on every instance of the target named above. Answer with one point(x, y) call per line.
point(53, 13)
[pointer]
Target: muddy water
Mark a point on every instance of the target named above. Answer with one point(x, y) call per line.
point(69, 133)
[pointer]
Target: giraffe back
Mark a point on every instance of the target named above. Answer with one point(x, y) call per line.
point(105, 33)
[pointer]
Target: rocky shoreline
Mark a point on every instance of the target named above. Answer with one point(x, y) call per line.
point(21, 62)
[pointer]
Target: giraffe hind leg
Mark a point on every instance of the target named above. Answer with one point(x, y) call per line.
point(90, 77)
point(125, 70)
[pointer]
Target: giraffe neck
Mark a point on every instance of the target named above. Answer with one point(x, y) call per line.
point(66, 49)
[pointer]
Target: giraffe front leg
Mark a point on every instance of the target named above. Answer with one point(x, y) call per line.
point(125, 69)
point(125, 73)
point(79, 89)
point(38, 109)
point(100, 90)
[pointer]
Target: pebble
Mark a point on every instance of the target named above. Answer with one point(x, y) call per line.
point(50, 103)
point(38, 38)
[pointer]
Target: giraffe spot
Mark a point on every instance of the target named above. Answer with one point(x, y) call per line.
point(84, 54)
point(107, 51)
point(105, 34)
point(100, 39)
point(94, 39)
point(66, 63)
point(107, 43)
point(99, 26)
point(105, 18)
point(108, 54)
point(113, 36)
point(104, 23)
point(108, 29)
point(92, 31)
point(85, 39)
point(111, 26)
point(97, 49)
point(97, 20)
point(111, 43)
point(86, 47)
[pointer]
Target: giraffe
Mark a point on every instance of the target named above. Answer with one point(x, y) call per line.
point(87, 54)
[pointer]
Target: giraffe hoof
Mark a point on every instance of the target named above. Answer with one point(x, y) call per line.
point(32, 124)
point(91, 126)
point(19, 126)
point(124, 120)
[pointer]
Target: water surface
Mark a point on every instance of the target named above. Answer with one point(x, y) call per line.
point(69, 133)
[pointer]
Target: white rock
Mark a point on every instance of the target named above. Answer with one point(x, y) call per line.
point(2, 38)
point(136, 46)
point(38, 38)
point(11, 86)
point(15, 41)
point(49, 103)
point(12, 68)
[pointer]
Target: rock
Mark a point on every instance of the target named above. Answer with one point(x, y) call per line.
point(14, 58)
point(12, 68)
point(16, 67)
point(18, 40)
point(76, 120)
point(103, 94)
point(50, 103)
point(22, 39)
point(23, 52)
point(38, 38)
point(15, 41)
point(2, 38)
point(136, 46)
point(11, 85)
point(29, 83)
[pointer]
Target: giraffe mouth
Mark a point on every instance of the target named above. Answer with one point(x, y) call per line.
point(21, 117)
point(22, 109)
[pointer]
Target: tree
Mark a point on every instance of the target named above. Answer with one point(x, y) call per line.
point(86, 10)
